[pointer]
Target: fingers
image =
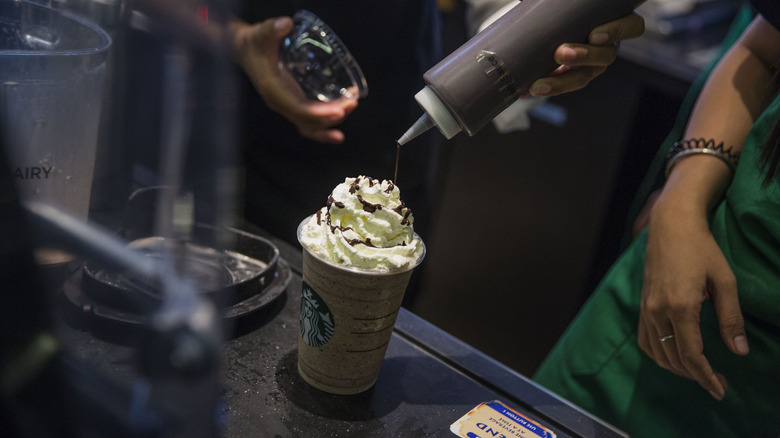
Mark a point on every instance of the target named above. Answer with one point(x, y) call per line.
point(266, 38)
point(586, 61)
point(313, 120)
point(585, 55)
point(658, 338)
point(670, 331)
point(580, 64)
point(683, 353)
point(722, 288)
point(691, 351)
point(321, 128)
point(649, 343)
point(565, 80)
point(253, 41)
point(730, 320)
point(627, 27)
point(273, 30)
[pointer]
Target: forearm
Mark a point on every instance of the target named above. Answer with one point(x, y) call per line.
point(238, 38)
point(732, 99)
point(730, 102)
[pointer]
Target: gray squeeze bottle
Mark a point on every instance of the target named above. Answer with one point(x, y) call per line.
point(472, 85)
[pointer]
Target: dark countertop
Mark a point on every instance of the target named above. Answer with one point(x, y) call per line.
point(428, 381)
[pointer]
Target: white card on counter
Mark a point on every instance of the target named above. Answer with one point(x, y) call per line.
point(496, 420)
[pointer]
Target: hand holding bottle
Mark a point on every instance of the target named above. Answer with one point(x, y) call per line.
point(581, 63)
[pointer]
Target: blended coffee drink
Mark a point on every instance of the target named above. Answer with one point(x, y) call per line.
point(358, 254)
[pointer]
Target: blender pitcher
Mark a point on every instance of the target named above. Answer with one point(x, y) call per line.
point(52, 66)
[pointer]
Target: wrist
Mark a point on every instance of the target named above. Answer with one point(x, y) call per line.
point(695, 186)
point(675, 215)
point(692, 146)
point(676, 204)
point(236, 37)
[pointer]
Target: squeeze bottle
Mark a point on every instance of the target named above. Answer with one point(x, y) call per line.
point(472, 85)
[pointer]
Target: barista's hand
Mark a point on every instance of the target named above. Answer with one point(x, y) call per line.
point(256, 51)
point(684, 267)
point(580, 63)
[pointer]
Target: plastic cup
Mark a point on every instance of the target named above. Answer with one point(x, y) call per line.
point(347, 320)
point(52, 66)
point(319, 61)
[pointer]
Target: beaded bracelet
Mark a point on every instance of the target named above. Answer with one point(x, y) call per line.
point(691, 146)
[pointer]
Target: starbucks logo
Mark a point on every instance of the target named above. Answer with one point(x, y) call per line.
point(316, 320)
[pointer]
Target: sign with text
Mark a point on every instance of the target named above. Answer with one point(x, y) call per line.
point(497, 420)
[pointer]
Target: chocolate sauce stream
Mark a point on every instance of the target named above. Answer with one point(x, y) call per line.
point(397, 154)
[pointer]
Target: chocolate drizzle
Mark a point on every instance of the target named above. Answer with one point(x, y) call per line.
point(333, 228)
point(355, 186)
point(367, 206)
point(367, 242)
point(404, 215)
point(332, 201)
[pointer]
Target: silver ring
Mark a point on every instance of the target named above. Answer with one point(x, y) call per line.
point(666, 338)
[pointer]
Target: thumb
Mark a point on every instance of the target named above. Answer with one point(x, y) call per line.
point(272, 30)
point(627, 27)
point(282, 26)
point(732, 324)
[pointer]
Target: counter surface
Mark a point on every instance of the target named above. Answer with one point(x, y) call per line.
point(428, 381)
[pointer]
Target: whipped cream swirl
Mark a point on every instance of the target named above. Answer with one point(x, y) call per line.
point(364, 225)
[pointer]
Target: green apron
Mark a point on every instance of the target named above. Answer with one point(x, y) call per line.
point(598, 365)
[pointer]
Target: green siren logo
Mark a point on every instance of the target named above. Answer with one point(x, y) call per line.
point(316, 320)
